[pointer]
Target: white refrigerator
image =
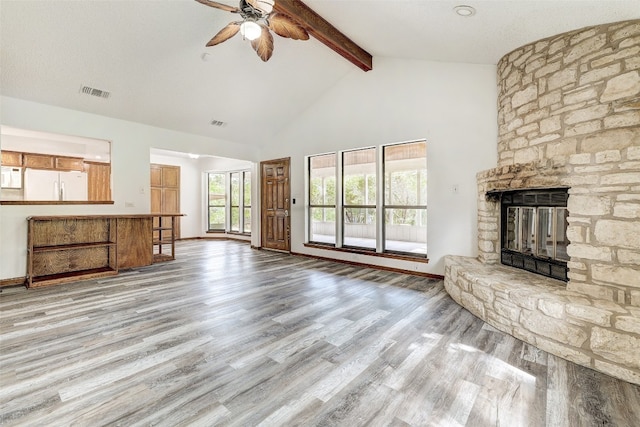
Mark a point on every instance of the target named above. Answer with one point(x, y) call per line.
point(50, 185)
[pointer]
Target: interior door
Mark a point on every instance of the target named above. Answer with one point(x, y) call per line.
point(275, 196)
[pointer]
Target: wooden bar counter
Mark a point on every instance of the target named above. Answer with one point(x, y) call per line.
point(68, 248)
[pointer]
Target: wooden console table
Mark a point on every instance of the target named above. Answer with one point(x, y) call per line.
point(66, 248)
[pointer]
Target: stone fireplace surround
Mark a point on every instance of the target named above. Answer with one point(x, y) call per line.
point(568, 116)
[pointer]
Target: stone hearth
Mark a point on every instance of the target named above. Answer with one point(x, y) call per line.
point(568, 116)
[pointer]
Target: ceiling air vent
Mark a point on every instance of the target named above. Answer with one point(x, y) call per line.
point(218, 123)
point(86, 90)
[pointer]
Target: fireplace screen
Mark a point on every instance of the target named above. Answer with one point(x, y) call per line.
point(534, 231)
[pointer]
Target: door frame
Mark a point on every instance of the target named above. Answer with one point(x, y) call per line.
point(286, 204)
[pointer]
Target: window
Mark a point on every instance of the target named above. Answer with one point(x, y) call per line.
point(359, 204)
point(232, 213)
point(246, 219)
point(381, 199)
point(235, 202)
point(217, 202)
point(405, 197)
point(322, 199)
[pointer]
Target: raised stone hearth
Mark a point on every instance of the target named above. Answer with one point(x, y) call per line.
point(592, 332)
point(568, 117)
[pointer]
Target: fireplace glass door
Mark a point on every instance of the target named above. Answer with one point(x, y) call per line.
point(534, 231)
point(537, 231)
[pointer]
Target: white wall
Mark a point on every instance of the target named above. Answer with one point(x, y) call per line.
point(130, 149)
point(452, 106)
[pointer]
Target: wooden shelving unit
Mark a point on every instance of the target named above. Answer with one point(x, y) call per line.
point(164, 238)
point(69, 248)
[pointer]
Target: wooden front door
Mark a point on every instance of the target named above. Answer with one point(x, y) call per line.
point(275, 196)
point(165, 192)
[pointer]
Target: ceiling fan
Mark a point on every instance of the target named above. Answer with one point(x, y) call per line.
point(257, 19)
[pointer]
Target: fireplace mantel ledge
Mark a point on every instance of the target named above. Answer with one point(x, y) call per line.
point(591, 332)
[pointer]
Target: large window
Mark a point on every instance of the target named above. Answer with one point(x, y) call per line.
point(230, 201)
point(359, 198)
point(246, 196)
point(380, 199)
point(217, 202)
point(235, 202)
point(322, 199)
point(405, 197)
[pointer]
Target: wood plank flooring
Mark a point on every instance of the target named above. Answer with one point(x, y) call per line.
point(226, 335)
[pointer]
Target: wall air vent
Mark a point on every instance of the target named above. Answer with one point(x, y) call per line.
point(86, 90)
point(218, 123)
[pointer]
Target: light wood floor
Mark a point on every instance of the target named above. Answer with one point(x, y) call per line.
point(226, 335)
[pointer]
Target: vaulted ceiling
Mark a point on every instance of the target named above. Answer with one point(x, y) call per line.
point(151, 55)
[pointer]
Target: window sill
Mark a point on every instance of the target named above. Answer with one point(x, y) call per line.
point(402, 257)
point(235, 233)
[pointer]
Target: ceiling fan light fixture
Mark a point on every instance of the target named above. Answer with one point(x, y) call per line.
point(465, 11)
point(250, 30)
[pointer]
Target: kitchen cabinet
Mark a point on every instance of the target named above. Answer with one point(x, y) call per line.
point(38, 161)
point(11, 158)
point(165, 194)
point(69, 163)
point(47, 161)
point(99, 181)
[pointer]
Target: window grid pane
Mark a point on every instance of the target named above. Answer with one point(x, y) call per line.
point(405, 198)
point(322, 199)
point(235, 189)
point(359, 198)
point(216, 200)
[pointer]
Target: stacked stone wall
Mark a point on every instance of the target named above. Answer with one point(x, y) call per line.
point(570, 94)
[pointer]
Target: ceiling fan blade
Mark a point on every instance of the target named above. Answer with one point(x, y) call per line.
point(263, 45)
point(221, 6)
point(284, 26)
point(225, 34)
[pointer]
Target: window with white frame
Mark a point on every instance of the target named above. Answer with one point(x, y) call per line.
point(405, 197)
point(359, 198)
point(322, 199)
point(378, 203)
point(229, 201)
point(246, 197)
point(217, 197)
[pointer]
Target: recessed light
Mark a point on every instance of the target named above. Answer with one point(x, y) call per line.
point(465, 11)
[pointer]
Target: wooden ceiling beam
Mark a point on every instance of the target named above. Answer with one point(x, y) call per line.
point(326, 33)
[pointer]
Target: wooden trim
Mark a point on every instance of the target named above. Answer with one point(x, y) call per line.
point(52, 217)
point(402, 257)
point(13, 281)
point(375, 267)
point(53, 202)
point(326, 33)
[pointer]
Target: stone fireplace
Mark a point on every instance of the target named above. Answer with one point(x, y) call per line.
point(568, 117)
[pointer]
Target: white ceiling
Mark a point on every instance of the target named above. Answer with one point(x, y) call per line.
point(148, 54)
